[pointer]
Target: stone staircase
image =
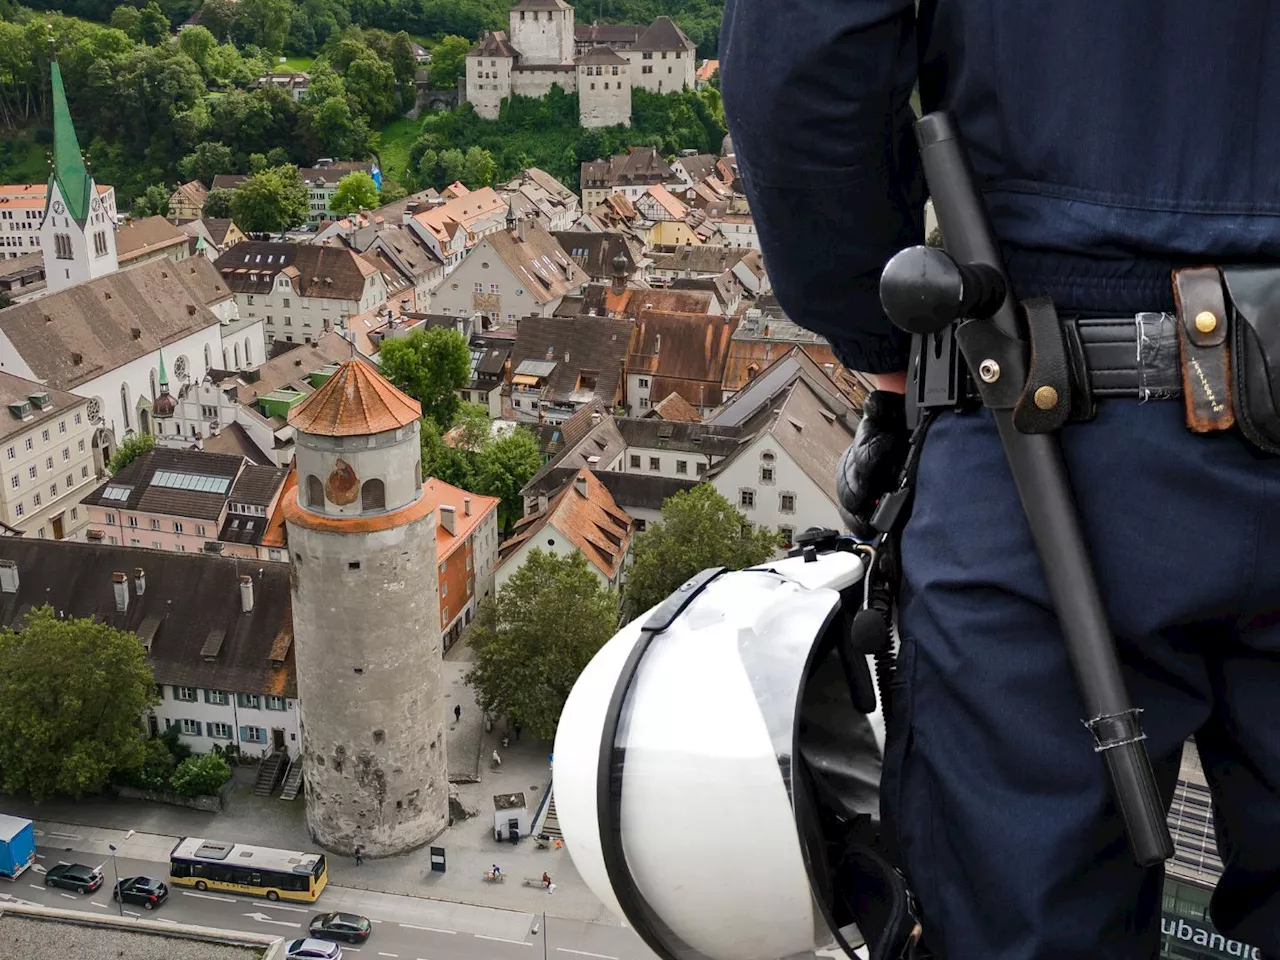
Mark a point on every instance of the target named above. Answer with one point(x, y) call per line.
point(550, 825)
point(292, 780)
point(269, 773)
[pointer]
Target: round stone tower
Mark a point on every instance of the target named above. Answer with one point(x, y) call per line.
point(366, 619)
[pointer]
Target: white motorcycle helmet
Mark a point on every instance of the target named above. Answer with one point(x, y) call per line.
point(717, 769)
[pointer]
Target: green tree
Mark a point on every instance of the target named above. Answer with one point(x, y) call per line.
point(154, 202)
point(471, 427)
point(453, 164)
point(270, 201)
point(402, 62)
point(392, 190)
point(217, 205)
point(445, 461)
point(533, 640)
point(5, 299)
point(479, 168)
point(448, 62)
point(153, 25)
point(373, 85)
point(506, 464)
point(324, 83)
point(207, 161)
point(201, 775)
point(262, 23)
point(699, 529)
point(356, 191)
point(197, 43)
point(72, 693)
point(431, 366)
point(155, 770)
point(129, 20)
point(134, 446)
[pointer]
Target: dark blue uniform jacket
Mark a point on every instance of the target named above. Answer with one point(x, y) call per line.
point(1113, 139)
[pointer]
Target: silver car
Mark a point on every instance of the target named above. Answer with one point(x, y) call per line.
point(312, 949)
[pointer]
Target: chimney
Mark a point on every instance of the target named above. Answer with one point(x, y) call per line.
point(448, 520)
point(8, 576)
point(246, 593)
point(139, 581)
point(120, 584)
point(542, 503)
point(466, 506)
point(580, 484)
point(520, 229)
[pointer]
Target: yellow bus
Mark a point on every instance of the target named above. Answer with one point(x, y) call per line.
point(240, 868)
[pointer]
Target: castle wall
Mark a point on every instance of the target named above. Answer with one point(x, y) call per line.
point(542, 36)
point(663, 72)
point(488, 84)
point(538, 82)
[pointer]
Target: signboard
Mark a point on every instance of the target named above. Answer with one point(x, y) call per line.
point(437, 859)
point(1187, 935)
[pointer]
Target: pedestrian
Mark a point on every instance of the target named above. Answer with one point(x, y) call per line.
point(457, 712)
point(497, 760)
point(517, 729)
point(359, 854)
point(1106, 165)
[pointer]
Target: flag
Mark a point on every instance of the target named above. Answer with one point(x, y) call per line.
point(377, 177)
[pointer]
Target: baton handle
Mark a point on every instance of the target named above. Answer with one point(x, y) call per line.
point(1041, 478)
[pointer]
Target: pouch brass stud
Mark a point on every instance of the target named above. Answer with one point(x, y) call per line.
point(1206, 322)
point(1046, 398)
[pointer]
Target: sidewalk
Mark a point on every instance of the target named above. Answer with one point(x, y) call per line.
point(470, 849)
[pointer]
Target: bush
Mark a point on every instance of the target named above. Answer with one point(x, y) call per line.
point(173, 743)
point(156, 770)
point(200, 776)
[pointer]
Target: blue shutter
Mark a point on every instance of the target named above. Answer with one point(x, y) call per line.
point(198, 728)
point(208, 698)
point(176, 694)
point(244, 734)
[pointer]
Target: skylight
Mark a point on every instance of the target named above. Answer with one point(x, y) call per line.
point(116, 493)
point(190, 481)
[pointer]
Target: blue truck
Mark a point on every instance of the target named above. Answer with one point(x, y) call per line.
point(17, 846)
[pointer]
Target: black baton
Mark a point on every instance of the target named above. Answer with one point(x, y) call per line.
point(924, 291)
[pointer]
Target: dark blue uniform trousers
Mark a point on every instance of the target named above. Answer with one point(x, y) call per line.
point(1002, 810)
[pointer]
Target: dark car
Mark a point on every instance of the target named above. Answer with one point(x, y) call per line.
point(144, 890)
point(73, 876)
point(340, 926)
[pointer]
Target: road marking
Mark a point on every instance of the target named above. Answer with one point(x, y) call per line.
point(381, 954)
point(69, 896)
point(36, 885)
point(100, 906)
point(375, 921)
point(38, 868)
point(38, 833)
point(208, 896)
point(133, 913)
point(410, 926)
point(584, 953)
point(39, 856)
point(164, 920)
point(518, 943)
point(280, 906)
point(66, 836)
point(263, 918)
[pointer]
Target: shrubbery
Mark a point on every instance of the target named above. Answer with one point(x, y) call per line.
point(201, 775)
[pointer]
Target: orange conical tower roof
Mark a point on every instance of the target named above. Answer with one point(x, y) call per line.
point(356, 401)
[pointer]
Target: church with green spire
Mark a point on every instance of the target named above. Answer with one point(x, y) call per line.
point(77, 232)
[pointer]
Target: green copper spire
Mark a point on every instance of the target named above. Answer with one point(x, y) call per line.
point(164, 376)
point(68, 165)
point(201, 247)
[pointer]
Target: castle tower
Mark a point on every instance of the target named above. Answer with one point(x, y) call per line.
point(77, 233)
point(542, 30)
point(366, 618)
point(604, 88)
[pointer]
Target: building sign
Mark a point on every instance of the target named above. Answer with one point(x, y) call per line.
point(1181, 934)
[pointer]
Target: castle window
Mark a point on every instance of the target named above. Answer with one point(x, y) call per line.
point(62, 246)
point(615, 71)
point(373, 495)
point(315, 491)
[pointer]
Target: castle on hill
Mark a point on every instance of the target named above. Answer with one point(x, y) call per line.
point(599, 62)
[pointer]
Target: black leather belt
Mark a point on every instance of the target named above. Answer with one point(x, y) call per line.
point(1135, 357)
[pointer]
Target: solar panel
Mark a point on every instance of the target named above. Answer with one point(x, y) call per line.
point(190, 481)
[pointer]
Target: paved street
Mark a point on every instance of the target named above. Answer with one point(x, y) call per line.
point(404, 926)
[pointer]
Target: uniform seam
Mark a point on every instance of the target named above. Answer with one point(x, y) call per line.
point(1250, 572)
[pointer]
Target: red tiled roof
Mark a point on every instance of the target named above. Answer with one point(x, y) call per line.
point(356, 401)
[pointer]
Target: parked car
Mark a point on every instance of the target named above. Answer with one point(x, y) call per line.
point(311, 949)
point(150, 893)
point(73, 876)
point(341, 926)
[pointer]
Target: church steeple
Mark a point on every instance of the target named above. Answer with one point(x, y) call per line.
point(164, 376)
point(69, 171)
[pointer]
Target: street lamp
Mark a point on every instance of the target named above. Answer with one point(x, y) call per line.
point(115, 871)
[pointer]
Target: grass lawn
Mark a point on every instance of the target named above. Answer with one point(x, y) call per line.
point(294, 65)
point(397, 137)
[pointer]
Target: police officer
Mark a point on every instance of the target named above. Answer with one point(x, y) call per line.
point(1114, 142)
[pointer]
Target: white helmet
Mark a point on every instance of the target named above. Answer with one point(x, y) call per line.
point(717, 773)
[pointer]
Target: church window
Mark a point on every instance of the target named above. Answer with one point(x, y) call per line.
point(208, 357)
point(315, 491)
point(373, 495)
point(154, 392)
point(124, 403)
point(180, 368)
point(248, 357)
point(99, 243)
point(62, 246)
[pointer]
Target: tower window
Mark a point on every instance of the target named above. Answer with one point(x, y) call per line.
point(62, 246)
point(373, 495)
point(99, 243)
point(315, 491)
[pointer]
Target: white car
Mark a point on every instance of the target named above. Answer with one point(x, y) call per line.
point(312, 949)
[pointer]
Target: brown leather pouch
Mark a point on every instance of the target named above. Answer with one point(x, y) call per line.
point(1206, 361)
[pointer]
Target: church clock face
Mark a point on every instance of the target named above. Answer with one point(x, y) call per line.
point(59, 208)
point(97, 204)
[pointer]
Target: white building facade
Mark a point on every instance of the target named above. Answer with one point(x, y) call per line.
point(256, 724)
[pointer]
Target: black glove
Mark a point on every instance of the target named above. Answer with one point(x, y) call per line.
point(871, 466)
